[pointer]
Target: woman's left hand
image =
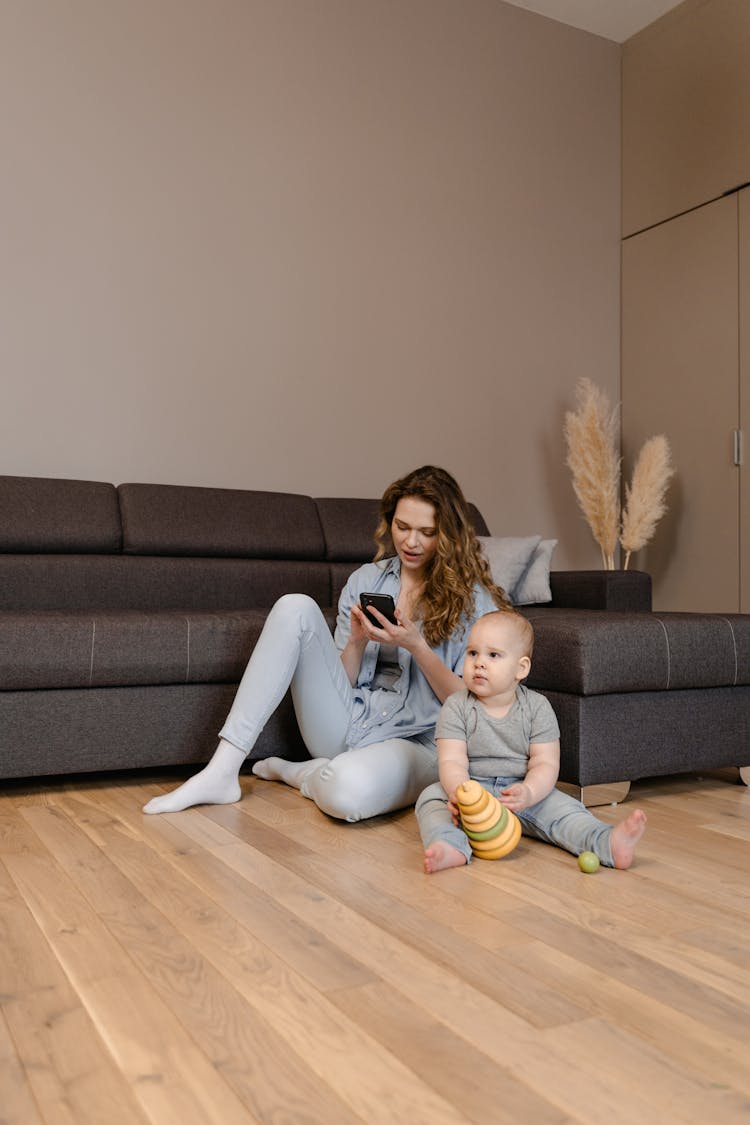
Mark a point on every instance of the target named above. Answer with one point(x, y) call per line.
point(404, 633)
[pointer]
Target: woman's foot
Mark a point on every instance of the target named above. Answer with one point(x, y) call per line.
point(440, 855)
point(216, 784)
point(291, 773)
point(625, 837)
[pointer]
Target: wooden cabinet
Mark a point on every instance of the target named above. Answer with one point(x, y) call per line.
point(685, 110)
point(744, 315)
point(686, 373)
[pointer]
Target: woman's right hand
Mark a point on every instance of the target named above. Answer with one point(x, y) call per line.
point(359, 631)
point(351, 657)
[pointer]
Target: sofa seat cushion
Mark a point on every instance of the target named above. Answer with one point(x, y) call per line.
point(74, 650)
point(589, 652)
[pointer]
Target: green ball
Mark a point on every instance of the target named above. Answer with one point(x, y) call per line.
point(588, 862)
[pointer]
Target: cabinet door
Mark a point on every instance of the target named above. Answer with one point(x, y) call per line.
point(685, 110)
point(680, 377)
point(744, 204)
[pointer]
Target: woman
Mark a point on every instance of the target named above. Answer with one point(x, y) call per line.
point(367, 698)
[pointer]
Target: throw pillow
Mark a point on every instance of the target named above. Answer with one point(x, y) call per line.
point(534, 587)
point(509, 558)
point(521, 565)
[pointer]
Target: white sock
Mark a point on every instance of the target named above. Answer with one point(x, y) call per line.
point(216, 784)
point(292, 773)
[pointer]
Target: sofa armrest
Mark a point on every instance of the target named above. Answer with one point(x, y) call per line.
point(624, 590)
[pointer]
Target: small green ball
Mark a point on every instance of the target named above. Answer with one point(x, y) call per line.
point(588, 862)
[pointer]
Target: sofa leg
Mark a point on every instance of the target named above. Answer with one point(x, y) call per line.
point(611, 793)
point(744, 772)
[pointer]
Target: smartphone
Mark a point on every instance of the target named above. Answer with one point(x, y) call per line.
point(382, 602)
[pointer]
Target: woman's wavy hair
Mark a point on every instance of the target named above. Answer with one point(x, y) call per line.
point(458, 564)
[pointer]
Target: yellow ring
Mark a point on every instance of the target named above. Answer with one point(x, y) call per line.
point(499, 852)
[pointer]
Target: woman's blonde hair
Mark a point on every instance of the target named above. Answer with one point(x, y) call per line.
point(458, 563)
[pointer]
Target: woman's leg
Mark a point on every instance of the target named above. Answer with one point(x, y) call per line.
point(370, 780)
point(295, 647)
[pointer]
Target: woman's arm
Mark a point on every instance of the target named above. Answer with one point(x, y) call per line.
point(441, 679)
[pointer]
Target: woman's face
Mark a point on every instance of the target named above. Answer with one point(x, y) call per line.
point(414, 533)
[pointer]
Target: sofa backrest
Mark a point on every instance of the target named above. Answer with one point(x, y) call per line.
point(163, 519)
point(42, 514)
point(85, 545)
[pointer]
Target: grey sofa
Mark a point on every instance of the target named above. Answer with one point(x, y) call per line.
point(127, 615)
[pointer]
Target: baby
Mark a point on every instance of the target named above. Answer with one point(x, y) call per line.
point(499, 733)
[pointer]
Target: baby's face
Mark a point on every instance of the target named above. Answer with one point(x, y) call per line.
point(496, 659)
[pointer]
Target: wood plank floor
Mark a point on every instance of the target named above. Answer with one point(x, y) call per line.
point(260, 962)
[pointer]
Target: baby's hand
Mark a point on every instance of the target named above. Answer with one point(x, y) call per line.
point(453, 808)
point(516, 797)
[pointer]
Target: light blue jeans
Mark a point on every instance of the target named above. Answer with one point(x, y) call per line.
point(557, 819)
point(296, 650)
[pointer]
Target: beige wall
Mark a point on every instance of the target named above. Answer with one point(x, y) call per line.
point(307, 245)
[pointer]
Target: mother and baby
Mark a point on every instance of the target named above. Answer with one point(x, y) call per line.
point(368, 698)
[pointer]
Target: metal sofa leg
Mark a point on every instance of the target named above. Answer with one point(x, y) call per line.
point(610, 793)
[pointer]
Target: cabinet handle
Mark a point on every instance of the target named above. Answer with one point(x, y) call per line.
point(737, 447)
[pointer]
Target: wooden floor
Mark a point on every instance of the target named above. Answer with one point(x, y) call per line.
point(260, 962)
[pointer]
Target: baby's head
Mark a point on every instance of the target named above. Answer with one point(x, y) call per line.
point(498, 653)
point(509, 628)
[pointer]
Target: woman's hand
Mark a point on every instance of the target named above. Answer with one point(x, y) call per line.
point(404, 633)
point(359, 624)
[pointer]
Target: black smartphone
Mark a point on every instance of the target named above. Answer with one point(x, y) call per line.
point(382, 602)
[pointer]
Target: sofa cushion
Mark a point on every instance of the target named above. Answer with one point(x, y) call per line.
point(349, 527)
point(592, 652)
point(73, 650)
point(627, 735)
point(122, 582)
point(164, 519)
point(41, 514)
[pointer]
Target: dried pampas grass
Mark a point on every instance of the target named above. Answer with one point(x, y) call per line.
point(591, 436)
point(644, 497)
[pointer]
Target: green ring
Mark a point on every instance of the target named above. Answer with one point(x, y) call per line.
point(488, 833)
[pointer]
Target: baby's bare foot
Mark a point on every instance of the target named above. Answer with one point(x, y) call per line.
point(625, 837)
point(441, 855)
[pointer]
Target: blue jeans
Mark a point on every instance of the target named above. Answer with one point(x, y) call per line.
point(556, 819)
point(296, 650)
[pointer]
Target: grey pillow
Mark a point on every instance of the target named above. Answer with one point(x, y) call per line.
point(534, 587)
point(521, 565)
point(509, 558)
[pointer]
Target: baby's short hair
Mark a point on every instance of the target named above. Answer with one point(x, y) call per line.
point(522, 627)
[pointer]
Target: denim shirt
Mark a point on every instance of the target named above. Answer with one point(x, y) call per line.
point(411, 710)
